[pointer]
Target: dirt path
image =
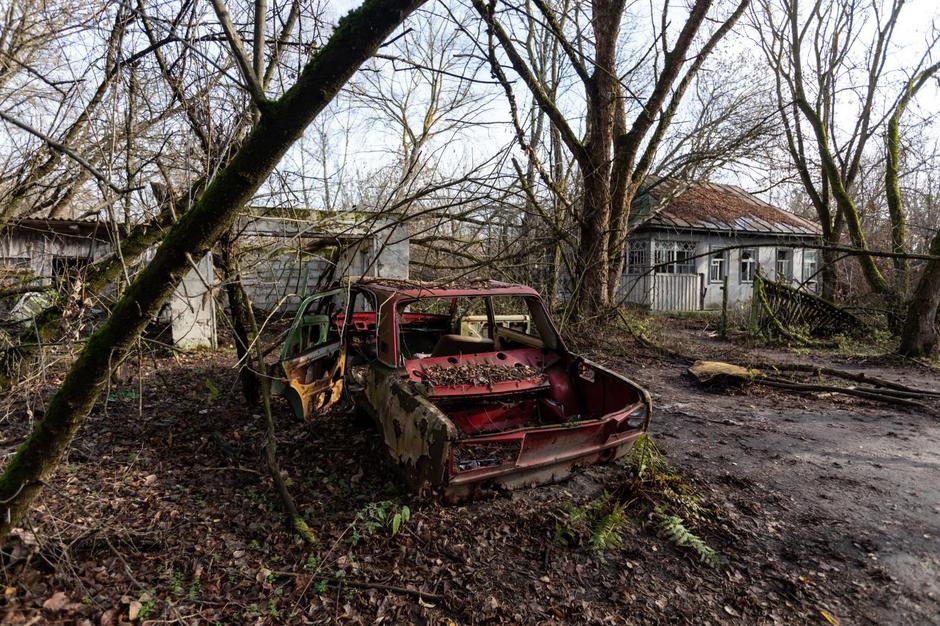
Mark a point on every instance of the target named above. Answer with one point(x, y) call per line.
point(829, 507)
point(845, 492)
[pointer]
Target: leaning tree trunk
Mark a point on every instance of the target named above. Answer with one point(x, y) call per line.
point(919, 334)
point(356, 38)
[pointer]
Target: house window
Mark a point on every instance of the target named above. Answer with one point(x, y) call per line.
point(675, 257)
point(784, 264)
point(748, 265)
point(717, 266)
point(810, 268)
point(638, 257)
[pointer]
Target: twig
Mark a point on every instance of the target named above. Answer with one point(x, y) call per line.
point(58, 147)
point(415, 593)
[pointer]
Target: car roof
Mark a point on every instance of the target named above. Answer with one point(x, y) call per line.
point(407, 288)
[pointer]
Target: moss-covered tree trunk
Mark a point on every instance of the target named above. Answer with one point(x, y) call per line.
point(282, 122)
point(919, 334)
point(897, 320)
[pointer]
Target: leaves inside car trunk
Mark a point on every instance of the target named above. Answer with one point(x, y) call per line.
point(477, 374)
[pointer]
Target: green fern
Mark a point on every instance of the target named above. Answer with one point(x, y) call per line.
point(594, 520)
point(673, 528)
point(608, 532)
point(646, 461)
point(686, 501)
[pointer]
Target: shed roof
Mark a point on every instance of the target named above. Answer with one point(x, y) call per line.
point(65, 226)
point(684, 205)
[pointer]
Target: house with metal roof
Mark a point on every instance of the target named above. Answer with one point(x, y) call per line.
point(690, 240)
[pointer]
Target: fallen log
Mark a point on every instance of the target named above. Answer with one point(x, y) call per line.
point(859, 377)
point(713, 373)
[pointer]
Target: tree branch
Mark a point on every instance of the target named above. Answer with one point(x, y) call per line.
point(241, 57)
point(58, 147)
point(538, 92)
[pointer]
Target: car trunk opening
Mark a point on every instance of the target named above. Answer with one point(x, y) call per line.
point(498, 392)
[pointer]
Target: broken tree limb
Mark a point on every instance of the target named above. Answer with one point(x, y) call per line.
point(868, 394)
point(859, 377)
point(717, 372)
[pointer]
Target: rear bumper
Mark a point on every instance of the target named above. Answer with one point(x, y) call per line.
point(543, 455)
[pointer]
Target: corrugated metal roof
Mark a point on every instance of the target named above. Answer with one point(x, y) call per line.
point(671, 203)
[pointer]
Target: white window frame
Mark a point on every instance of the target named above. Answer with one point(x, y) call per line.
point(810, 269)
point(752, 262)
point(788, 275)
point(669, 252)
point(638, 256)
point(719, 260)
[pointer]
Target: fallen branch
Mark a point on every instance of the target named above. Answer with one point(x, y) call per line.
point(869, 394)
point(860, 377)
point(297, 521)
point(717, 372)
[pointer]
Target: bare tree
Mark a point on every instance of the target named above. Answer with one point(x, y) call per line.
point(613, 153)
point(819, 55)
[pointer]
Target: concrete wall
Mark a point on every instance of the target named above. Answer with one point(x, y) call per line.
point(192, 308)
point(34, 249)
point(391, 252)
point(284, 259)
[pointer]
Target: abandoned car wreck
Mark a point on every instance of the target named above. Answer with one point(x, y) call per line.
point(471, 386)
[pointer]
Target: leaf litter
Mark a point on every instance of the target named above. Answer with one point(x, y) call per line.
point(172, 517)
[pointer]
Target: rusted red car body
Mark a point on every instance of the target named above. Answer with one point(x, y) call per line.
point(464, 402)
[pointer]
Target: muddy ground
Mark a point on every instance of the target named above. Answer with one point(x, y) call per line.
point(828, 512)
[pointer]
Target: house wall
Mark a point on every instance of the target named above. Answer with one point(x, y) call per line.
point(283, 261)
point(33, 250)
point(640, 290)
point(739, 292)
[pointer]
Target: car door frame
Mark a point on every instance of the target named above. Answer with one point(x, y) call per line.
point(308, 398)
